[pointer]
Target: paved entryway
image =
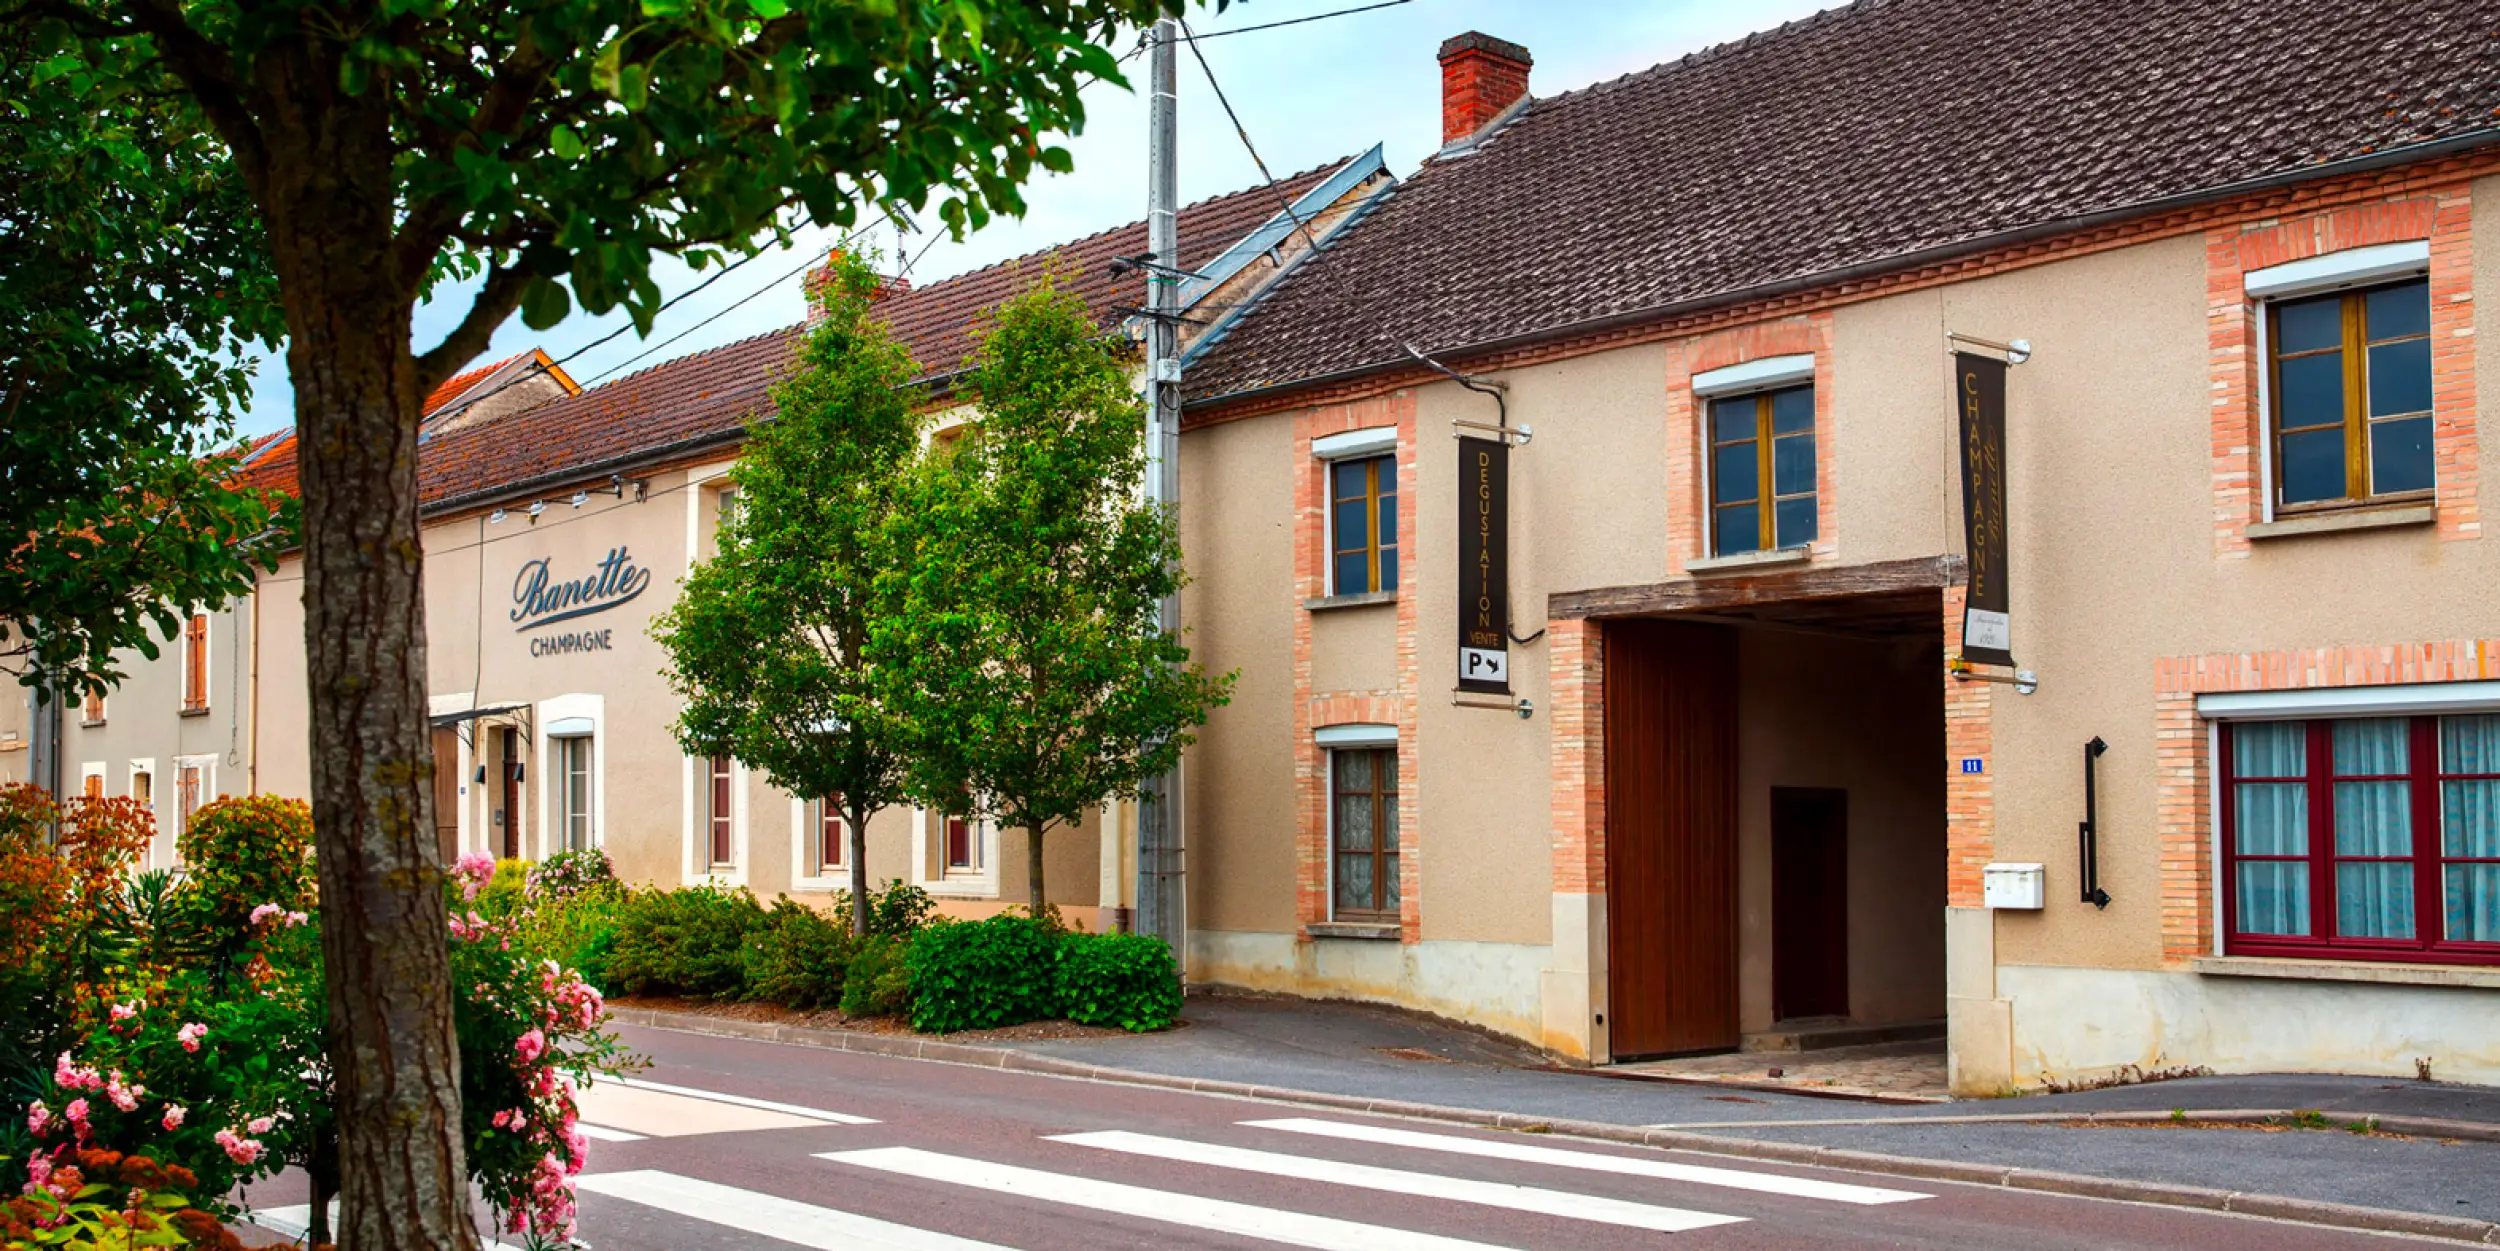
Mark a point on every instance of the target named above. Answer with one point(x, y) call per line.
point(1904, 1071)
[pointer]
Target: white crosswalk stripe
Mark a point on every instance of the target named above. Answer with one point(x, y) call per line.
point(767, 1105)
point(1193, 1211)
point(770, 1216)
point(1591, 1161)
point(1517, 1198)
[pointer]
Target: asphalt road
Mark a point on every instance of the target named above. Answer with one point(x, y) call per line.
point(728, 1143)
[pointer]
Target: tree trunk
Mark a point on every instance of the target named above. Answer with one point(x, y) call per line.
point(1033, 860)
point(331, 196)
point(859, 873)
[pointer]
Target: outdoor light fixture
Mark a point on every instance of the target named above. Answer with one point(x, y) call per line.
point(2025, 681)
point(580, 498)
point(537, 507)
point(495, 518)
point(481, 775)
point(2017, 351)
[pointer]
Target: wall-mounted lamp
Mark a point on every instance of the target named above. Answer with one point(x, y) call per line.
point(495, 518)
point(580, 498)
point(481, 775)
point(537, 507)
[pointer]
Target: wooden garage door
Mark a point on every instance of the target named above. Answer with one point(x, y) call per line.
point(1671, 837)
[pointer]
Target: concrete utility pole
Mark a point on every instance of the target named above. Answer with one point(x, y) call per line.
point(1161, 895)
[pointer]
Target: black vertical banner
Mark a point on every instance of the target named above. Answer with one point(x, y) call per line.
point(1987, 622)
point(1484, 566)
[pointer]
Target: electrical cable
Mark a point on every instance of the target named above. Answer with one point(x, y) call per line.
point(1296, 21)
point(1244, 132)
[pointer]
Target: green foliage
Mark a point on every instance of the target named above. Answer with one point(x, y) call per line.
point(982, 974)
point(767, 642)
point(241, 853)
point(878, 982)
point(569, 873)
point(897, 911)
point(133, 275)
point(797, 957)
point(690, 941)
point(1026, 649)
point(99, 1200)
point(578, 931)
point(506, 891)
point(1125, 980)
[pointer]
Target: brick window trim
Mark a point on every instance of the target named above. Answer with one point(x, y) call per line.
point(2183, 747)
point(1688, 511)
point(2442, 216)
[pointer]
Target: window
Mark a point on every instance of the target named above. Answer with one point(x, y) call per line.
point(92, 711)
point(720, 793)
point(195, 663)
point(825, 837)
point(2366, 838)
point(189, 781)
point(2350, 380)
point(1762, 471)
point(1363, 828)
point(143, 787)
point(963, 845)
point(1363, 525)
point(91, 781)
point(573, 814)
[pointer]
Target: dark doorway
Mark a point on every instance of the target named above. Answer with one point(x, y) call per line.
point(1809, 902)
point(1670, 710)
point(508, 747)
point(447, 793)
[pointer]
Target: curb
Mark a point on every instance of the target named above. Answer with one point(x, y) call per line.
point(2274, 1207)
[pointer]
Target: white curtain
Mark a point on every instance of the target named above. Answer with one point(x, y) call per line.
point(2373, 899)
point(2271, 819)
point(2470, 826)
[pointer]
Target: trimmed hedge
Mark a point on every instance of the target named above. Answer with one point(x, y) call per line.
point(684, 942)
point(797, 957)
point(878, 982)
point(1128, 981)
point(982, 974)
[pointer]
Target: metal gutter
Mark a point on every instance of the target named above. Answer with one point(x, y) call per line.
point(1907, 260)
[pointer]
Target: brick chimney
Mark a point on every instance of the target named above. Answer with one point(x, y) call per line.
point(1480, 77)
point(817, 279)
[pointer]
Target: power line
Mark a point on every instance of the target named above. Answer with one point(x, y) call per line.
point(727, 309)
point(1244, 131)
point(671, 302)
point(1291, 21)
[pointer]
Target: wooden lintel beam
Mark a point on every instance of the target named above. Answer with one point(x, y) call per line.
point(1783, 586)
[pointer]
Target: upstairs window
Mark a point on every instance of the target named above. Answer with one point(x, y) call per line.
point(2349, 376)
point(195, 663)
point(92, 711)
point(2372, 838)
point(1363, 525)
point(1762, 471)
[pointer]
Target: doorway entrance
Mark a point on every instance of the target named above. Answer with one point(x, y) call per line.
point(1809, 902)
point(508, 750)
point(447, 793)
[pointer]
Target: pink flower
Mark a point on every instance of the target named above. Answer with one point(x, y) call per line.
point(473, 871)
point(530, 1046)
point(503, 1119)
point(76, 1111)
point(38, 1117)
point(124, 1097)
point(266, 911)
point(294, 919)
point(123, 1012)
point(173, 1117)
point(260, 1125)
point(239, 1150)
point(38, 1173)
point(189, 1034)
point(72, 1077)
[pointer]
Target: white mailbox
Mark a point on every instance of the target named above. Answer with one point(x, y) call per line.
point(2015, 885)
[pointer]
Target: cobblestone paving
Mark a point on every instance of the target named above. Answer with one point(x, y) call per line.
point(1898, 1070)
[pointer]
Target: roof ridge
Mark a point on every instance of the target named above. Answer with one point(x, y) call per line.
point(1721, 51)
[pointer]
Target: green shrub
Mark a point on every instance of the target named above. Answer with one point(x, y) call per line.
point(569, 873)
point(579, 932)
point(878, 982)
point(684, 942)
point(797, 957)
point(982, 974)
point(897, 910)
point(241, 853)
point(1124, 980)
point(507, 890)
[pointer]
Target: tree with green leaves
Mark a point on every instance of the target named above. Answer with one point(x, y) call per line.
point(768, 642)
point(530, 156)
point(1024, 651)
point(132, 281)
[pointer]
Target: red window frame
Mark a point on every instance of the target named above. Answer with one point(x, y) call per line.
point(829, 842)
point(721, 810)
point(2430, 944)
point(960, 852)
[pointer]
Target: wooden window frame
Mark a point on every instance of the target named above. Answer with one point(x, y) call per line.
point(1384, 851)
point(827, 829)
point(720, 811)
point(1765, 441)
point(948, 824)
point(2430, 944)
point(2355, 344)
point(1371, 545)
point(91, 708)
point(195, 663)
point(587, 816)
point(190, 779)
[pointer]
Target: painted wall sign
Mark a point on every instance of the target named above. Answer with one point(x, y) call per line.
point(1484, 566)
point(1987, 621)
point(572, 641)
point(1972, 764)
point(539, 600)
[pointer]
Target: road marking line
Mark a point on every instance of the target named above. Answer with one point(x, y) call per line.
point(1298, 1229)
point(601, 1133)
point(1594, 1162)
point(770, 1216)
point(767, 1105)
point(1400, 1181)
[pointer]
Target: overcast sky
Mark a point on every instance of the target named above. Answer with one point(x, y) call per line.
point(1309, 94)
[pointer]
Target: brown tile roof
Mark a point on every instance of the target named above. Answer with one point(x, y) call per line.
point(713, 394)
point(1876, 131)
point(268, 462)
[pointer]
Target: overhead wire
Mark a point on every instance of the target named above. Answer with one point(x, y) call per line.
point(1297, 21)
point(1244, 132)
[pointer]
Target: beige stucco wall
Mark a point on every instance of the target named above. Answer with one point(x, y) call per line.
point(145, 727)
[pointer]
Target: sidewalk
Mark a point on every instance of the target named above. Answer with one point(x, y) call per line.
point(1355, 1050)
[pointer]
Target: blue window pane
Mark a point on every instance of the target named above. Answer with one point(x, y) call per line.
point(2270, 749)
point(2365, 747)
point(2469, 819)
point(2470, 744)
point(2400, 455)
point(1792, 410)
point(2313, 466)
point(2473, 899)
point(2272, 819)
point(1388, 566)
point(1353, 524)
point(2308, 325)
point(1350, 479)
point(1795, 519)
point(1388, 473)
point(1388, 520)
point(1739, 531)
point(1792, 464)
point(2309, 391)
point(2393, 312)
point(2373, 818)
point(1734, 474)
point(1731, 420)
point(2374, 900)
point(2273, 897)
point(2400, 378)
point(1353, 573)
